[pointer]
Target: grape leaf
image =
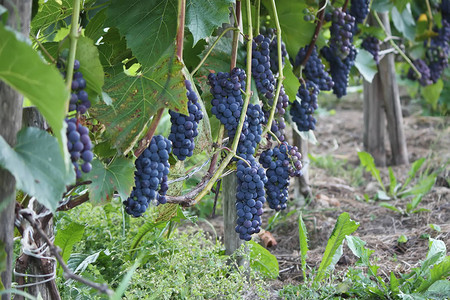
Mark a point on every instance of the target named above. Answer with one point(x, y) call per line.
point(263, 261)
point(135, 99)
point(106, 179)
point(90, 66)
point(149, 26)
point(366, 65)
point(404, 22)
point(67, 237)
point(50, 13)
point(23, 69)
point(94, 29)
point(37, 165)
point(202, 17)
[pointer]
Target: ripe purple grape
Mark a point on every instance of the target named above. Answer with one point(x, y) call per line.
point(184, 128)
point(372, 45)
point(314, 69)
point(152, 168)
point(79, 146)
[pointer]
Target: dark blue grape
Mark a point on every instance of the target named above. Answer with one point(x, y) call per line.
point(359, 9)
point(152, 168)
point(341, 32)
point(184, 128)
point(314, 69)
point(372, 45)
point(301, 111)
point(79, 145)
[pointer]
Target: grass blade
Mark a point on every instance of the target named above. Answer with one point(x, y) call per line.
point(303, 236)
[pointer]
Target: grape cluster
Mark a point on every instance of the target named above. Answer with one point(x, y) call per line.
point(424, 71)
point(227, 97)
point(184, 128)
point(273, 48)
point(341, 31)
point(359, 9)
point(438, 52)
point(301, 112)
point(79, 146)
point(445, 10)
point(264, 79)
point(314, 70)
point(152, 169)
point(278, 124)
point(372, 45)
point(79, 99)
point(339, 68)
point(250, 197)
point(276, 161)
point(251, 131)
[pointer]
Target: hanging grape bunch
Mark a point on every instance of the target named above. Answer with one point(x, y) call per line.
point(302, 111)
point(184, 128)
point(79, 99)
point(152, 169)
point(314, 69)
point(79, 146)
point(372, 45)
point(264, 79)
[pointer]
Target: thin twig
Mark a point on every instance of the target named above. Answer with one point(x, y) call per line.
point(234, 46)
point(180, 31)
point(149, 135)
point(219, 182)
point(68, 274)
point(74, 202)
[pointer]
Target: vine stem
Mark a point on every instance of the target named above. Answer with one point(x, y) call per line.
point(280, 70)
point(53, 60)
point(230, 155)
point(73, 43)
point(258, 11)
point(397, 48)
point(149, 135)
point(180, 29)
point(211, 49)
point(234, 46)
point(344, 7)
point(430, 19)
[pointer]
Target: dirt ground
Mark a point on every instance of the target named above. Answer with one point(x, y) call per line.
point(341, 136)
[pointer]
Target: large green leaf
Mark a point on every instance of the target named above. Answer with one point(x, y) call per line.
point(368, 162)
point(290, 81)
point(404, 22)
point(366, 65)
point(94, 29)
point(90, 66)
point(438, 272)
point(106, 179)
point(67, 237)
point(135, 99)
point(432, 92)
point(344, 226)
point(23, 69)
point(149, 26)
point(37, 165)
point(296, 32)
point(262, 260)
point(51, 12)
point(202, 17)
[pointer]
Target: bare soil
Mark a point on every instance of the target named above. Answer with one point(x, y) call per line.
point(341, 136)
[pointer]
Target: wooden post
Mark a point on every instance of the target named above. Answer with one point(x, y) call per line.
point(10, 121)
point(301, 184)
point(32, 118)
point(392, 102)
point(231, 238)
point(374, 121)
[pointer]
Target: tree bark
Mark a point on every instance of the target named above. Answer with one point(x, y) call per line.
point(301, 184)
point(374, 121)
point(10, 121)
point(392, 102)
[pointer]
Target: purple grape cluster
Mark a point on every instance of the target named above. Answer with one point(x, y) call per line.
point(314, 69)
point(445, 10)
point(152, 169)
point(250, 197)
point(341, 31)
point(273, 48)
point(79, 146)
point(251, 131)
point(372, 45)
point(424, 71)
point(438, 52)
point(278, 124)
point(184, 128)
point(359, 9)
point(264, 79)
point(302, 112)
point(339, 68)
point(276, 161)
point(79, 98)
point(227, 97)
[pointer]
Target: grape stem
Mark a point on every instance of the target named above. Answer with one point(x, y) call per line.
point(397, 48)
point(143, 144)
point(274, 136)
point(234, 46)
point(73, 44)
point(430, 19)
point(180, 29)
point(344, 7)
point(211, 49)
point(53, 60)
point(258, 11)
point(280, 70)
